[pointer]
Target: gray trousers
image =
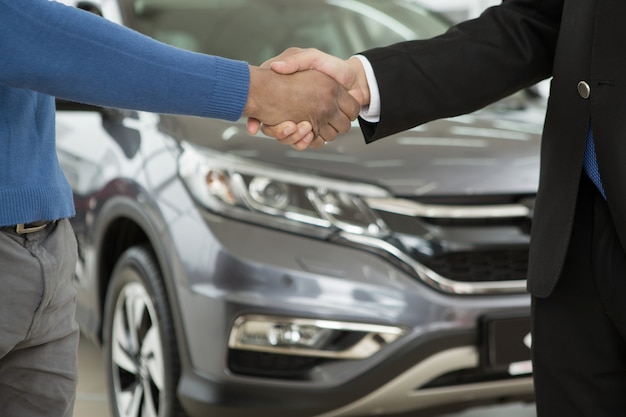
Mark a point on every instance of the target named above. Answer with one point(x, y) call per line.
point(38, 333)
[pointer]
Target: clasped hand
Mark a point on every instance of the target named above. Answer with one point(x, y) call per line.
point(322, 92)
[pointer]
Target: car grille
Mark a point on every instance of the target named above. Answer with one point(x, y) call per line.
point(496, 265)
point(480, 244)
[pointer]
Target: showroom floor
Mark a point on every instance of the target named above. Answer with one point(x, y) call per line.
point(91, 398)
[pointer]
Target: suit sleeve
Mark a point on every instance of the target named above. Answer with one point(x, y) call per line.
point(509, 47)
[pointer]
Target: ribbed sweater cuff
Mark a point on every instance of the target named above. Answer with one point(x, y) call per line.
point(231, 91)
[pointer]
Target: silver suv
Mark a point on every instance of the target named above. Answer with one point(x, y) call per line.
point(228, 276)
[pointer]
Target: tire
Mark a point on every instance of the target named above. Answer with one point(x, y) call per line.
point(140, 353)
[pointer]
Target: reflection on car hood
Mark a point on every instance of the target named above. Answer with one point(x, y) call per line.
point(484, 153)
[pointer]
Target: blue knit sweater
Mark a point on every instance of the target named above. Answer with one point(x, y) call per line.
point(48, 49)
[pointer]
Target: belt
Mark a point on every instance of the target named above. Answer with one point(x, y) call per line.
point(24, 228)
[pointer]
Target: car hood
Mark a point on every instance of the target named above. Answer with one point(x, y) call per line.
point(486, 153)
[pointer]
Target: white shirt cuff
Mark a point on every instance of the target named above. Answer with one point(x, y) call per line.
point(370, 113)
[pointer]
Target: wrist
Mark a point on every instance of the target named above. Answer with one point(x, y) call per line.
point(252, 107)
point(360, 86)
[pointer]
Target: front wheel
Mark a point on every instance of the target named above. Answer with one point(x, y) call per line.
point(140, 351)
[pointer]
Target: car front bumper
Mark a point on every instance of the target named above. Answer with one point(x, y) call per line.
point(240, 269)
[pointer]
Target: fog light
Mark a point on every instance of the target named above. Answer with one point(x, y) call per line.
point(307, 337)
point(296, 335)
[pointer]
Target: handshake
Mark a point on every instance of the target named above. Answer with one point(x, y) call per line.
point(304, 97)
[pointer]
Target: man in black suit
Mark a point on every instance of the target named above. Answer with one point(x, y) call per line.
point(577, 267)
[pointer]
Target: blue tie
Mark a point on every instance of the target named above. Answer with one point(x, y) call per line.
point(591, 163)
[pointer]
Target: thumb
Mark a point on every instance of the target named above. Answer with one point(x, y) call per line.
point(284, 67)
point(285, 54)
point(314, 59)
point(294, 60)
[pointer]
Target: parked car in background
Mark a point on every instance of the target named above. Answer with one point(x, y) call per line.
point(228, 276)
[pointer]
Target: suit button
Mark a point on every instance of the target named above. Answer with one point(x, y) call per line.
point(584, 90)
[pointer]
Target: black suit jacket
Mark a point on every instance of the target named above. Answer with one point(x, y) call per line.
point(509, 47)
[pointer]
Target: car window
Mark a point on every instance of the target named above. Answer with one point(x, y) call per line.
point(256, 30)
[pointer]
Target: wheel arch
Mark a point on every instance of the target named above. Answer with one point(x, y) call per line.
point(123, 223)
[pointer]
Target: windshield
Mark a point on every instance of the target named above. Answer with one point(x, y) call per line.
point(256, 30)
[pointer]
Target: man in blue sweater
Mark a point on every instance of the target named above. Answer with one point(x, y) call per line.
point(50, 50)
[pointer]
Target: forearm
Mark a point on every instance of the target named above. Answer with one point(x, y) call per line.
point(64, 52)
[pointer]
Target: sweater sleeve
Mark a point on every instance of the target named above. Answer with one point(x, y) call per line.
point(68, 53)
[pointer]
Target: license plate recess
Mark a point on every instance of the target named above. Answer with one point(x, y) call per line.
point(506, 343)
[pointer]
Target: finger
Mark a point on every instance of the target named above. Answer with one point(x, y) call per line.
point(304, 134)
point(253, 125)
point(285, 129)
point(301, 132)
point(327, 133)
point(305, 129)
point(349, 110)
point(348, 105)
point(279, 131)
point(304, 143)
point(340, 123)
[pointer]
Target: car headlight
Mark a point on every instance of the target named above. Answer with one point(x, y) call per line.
point(280, 198)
